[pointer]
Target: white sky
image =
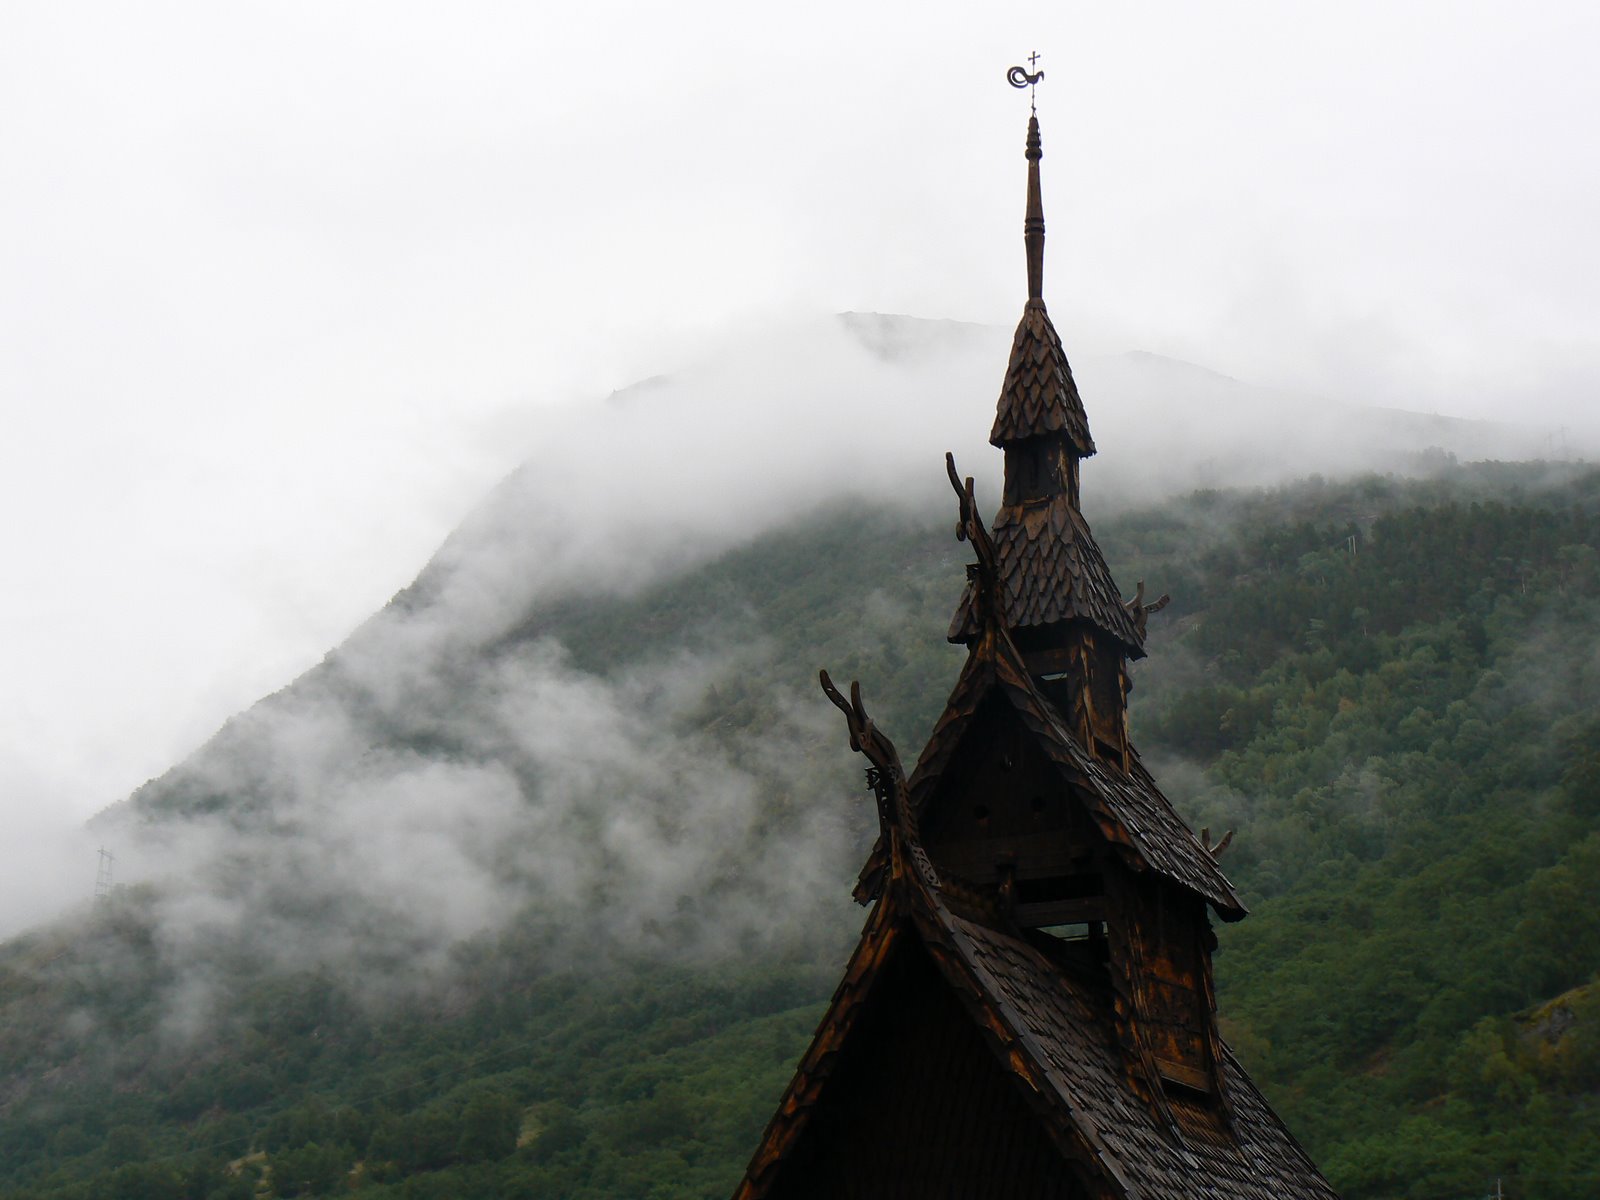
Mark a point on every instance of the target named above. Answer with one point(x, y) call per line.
point(284, 286)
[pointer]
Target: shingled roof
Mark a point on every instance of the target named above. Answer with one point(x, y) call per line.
point(1055, 1024)
point(1129, 809)
point(1050, 570)
point(1039, 395)
point(1046, 1029)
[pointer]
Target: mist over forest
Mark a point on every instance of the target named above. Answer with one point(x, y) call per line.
point(390, 783)
point(674, 471)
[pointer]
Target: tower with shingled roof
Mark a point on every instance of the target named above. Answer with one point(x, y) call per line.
point(1030, 1011)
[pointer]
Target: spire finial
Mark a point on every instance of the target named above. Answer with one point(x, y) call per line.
point(1033, 223)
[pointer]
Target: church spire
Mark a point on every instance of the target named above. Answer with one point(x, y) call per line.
point(1055, 595)
point(1031, 1009)
point(1033, 223)
point(1039, 397)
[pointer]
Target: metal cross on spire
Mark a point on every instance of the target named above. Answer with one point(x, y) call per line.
point(1020, 77)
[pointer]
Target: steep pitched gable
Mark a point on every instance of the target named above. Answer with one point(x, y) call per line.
point(872, 1114)
point(1128, 808)
point(1046, 1034)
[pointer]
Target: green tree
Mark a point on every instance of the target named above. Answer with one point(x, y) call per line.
point(490, 1124)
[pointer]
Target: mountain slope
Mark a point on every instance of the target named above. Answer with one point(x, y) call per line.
point(546, 905)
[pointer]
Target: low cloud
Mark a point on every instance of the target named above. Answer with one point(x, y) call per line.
point(368, 836)
point(451, 773)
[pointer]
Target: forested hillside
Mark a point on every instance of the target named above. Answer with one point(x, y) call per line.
point(1387, 687)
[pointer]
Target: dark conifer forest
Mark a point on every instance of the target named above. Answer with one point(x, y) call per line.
point(1388, 688)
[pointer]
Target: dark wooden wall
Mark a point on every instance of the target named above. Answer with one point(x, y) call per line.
point(1000, 800)
point(920, 1109)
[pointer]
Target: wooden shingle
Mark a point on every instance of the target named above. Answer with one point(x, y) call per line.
point(1039, 395)
point(1051, 571)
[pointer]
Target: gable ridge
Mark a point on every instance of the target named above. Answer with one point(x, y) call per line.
point(1128, 808)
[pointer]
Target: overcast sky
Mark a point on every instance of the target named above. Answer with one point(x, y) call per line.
point(284, 287)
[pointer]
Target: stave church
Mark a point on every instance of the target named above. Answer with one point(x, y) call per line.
point(1030, 1012)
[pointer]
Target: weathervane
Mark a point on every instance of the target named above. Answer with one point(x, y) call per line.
point(1019, 77)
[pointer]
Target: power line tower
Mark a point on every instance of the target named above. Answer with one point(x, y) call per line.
point(102, 879)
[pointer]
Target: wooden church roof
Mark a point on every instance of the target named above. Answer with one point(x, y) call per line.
point(970, 1052)
point(1129, 809)
point(1051, 570)
point(1039, 395)
point(1047, 1031)
point(1046, 1028)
